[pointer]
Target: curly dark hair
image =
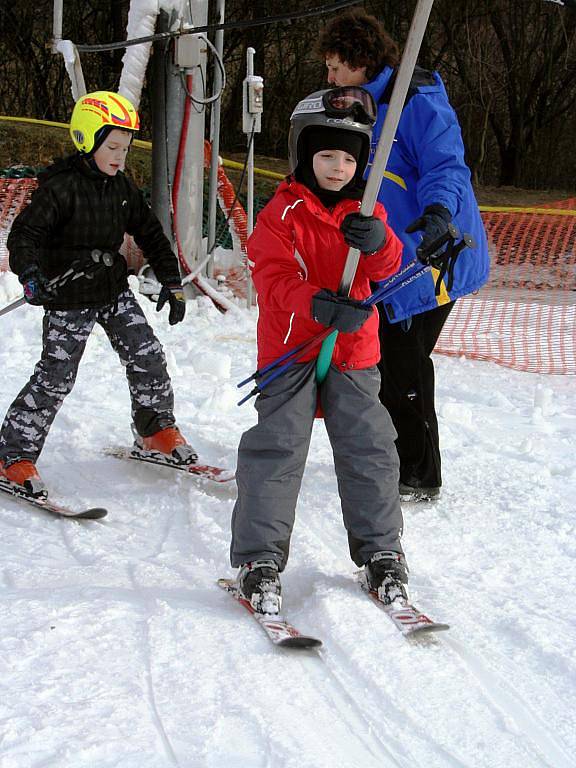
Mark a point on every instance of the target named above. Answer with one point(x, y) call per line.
point(359, 40)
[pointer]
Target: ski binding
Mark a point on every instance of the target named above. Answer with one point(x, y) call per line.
point(215, 474)
point(407, 619)
point(279, 631)
point(42, 502)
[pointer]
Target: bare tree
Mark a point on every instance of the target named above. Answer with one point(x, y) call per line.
point(509, 67)
point(516, 62)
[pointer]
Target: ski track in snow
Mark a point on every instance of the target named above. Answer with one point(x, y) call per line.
point(119, 651)
point(506, 700)
point(147, 661)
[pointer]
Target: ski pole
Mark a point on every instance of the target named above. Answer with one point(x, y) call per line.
point(383, 293)
point(302, 350)
point(380, 296)
point(443, 263)
point(395, 279)
point(279, 360)
point(316, 339)
point(405, 72)
point(412, 271)
point(69, 276)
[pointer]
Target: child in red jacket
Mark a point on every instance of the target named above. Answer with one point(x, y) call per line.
point(297, 254)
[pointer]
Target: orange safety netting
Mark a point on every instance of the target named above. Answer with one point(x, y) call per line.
point(525, 316)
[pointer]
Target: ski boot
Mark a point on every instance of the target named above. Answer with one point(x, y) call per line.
point(386, 573)
point(167, 444)
point(259, 583)
point(23, 474)
point(413, 493)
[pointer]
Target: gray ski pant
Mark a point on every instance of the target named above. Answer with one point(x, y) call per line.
point(272, 456)
point(64, 338)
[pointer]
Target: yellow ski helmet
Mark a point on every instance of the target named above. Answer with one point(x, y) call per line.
point(95, 111)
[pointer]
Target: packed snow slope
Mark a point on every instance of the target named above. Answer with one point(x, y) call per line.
point(118, 650)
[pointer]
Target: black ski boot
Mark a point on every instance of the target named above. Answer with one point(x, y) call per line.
point(259, 583)
point(386, 574)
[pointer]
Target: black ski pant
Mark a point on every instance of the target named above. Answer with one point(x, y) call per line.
point(64, 338)
point(407, 392)
point(272, 456)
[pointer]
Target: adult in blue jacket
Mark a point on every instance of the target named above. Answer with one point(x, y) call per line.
point(426, 186)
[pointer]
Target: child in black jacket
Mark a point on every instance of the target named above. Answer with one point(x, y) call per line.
point(77, 218)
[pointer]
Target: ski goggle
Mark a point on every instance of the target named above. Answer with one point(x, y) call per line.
point(350, 101)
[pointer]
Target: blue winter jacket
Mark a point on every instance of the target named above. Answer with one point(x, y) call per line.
point(426, 166)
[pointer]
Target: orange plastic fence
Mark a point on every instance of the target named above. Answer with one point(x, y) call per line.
point(524, 318)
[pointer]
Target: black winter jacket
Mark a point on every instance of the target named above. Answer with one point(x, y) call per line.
point(77, 209)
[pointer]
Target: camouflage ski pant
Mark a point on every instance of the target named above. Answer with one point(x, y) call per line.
point(64, 338)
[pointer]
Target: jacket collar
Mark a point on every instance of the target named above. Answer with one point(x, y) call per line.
point(297, 190)
point(378, 84)
point(89, 169)
point(78, 162)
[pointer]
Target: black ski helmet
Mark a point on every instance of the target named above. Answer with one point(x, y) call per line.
point(347, 108)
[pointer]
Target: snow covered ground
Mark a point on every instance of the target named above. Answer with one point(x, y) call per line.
point(118, 650)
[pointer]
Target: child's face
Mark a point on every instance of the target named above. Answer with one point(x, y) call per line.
point(333, 168)
point(110, 157)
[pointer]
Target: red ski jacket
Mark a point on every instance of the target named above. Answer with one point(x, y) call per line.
point(296, 249)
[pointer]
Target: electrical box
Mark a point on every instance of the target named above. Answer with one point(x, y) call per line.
point(253, 104)
point(255, 95)
point(187, 51)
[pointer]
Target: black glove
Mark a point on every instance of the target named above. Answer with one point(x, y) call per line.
point(367, 233)
point(434, 223)
point(174, 294)
point(36, 286)
point(340, 312)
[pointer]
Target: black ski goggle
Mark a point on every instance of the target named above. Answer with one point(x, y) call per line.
point(350, 101)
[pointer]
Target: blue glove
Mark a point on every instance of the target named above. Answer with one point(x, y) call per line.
point(174, 295)
point(36, 286)
point(367, 233)
point(434, 223)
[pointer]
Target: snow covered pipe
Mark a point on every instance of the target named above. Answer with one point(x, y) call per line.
point(142, 17)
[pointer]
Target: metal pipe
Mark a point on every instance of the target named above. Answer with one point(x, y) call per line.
point(215, 136)
point(58, 15)
point(405, 72)
point(250, 176)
